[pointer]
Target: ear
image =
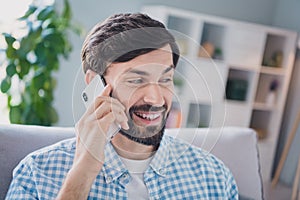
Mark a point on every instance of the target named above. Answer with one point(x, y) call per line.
point(89, 75)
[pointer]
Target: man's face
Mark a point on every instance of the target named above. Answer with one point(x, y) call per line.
point(144, 85)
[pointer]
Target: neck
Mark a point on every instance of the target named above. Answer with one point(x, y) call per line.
point(129, 149)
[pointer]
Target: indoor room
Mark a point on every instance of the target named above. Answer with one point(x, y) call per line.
point(232, 93)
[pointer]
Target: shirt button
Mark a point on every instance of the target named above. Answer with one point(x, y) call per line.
point(162, 171)
point(124, 176)
point(109, 178)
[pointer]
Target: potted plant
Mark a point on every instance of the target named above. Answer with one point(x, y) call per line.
point(31, 60)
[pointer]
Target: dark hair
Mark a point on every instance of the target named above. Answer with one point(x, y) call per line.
point(123, 37)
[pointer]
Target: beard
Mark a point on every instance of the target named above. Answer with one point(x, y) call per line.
point(148, 135)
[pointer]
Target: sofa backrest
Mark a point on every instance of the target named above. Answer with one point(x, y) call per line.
point(236, 147)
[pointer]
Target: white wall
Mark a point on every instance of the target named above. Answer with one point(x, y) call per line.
point(287, 14)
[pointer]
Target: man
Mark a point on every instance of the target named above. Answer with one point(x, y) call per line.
point(136, 57)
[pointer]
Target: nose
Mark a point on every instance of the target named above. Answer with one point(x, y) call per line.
point(153, 95)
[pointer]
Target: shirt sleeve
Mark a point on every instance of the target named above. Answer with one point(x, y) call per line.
point(23, 184)
point(231, 186)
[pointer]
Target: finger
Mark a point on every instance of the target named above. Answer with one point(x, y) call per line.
point(107, 90)
point(106, 108)
point(124, 125)
point(99, 99)
point(110, 102)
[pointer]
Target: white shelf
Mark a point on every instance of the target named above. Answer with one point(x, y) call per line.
point(263, 106)
point(246, 48)
point(273, 70)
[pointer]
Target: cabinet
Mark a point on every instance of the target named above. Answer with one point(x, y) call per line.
point(232, 73)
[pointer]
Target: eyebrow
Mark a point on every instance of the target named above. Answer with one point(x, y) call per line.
point(143, 73)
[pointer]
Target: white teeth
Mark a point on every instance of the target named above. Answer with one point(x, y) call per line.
point(149, 116)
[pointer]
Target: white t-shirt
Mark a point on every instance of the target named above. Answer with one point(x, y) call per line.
point(136, 188)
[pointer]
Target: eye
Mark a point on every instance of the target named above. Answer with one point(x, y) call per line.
point(166, 80)
point(136, 81)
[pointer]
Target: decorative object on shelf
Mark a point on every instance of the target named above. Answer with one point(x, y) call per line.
point(275, 60)
point(31, 60)
point(206, 50)
point(218, 54)
point(236, 89)
point(271, 97)
point(261, 133)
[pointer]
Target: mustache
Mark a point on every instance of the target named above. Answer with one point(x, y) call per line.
point(147, 108)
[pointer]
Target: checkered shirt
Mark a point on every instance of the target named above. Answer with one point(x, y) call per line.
point(177, 171)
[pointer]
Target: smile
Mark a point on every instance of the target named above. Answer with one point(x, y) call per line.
point(152, 116)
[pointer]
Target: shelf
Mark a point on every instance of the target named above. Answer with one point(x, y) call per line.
point(273, 70)
point(266, 83)
point(260, 121)
point(204, 80)
point(255, 68)
point(239, 84)
point(274, 54)
point(212, 41)
point(244, 67)
point(182, 29)
point(263, 106)
point(199, 115)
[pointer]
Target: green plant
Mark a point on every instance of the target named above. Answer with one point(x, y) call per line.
point(31, 60)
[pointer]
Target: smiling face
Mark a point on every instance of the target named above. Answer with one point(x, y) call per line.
point(144, 85)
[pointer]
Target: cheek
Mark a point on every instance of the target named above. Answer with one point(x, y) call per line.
point(127, 96)
point(168, 96)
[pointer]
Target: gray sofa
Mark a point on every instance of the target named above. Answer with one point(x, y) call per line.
point(235, 146)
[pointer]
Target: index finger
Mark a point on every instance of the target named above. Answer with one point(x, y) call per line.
point(107, 90)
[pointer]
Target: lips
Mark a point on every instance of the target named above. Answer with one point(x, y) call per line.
point(148, 116)
point(144, 115)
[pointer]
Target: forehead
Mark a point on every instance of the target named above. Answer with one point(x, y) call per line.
point(153, 62)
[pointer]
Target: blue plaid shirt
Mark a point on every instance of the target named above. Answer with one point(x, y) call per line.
point(177, 171)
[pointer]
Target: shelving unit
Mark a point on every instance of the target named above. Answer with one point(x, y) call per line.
point(229, 69)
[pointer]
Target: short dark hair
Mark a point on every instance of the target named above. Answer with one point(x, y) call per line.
point(123, 37)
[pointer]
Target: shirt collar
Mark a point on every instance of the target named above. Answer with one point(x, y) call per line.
point(168, 152)
point(113, 167)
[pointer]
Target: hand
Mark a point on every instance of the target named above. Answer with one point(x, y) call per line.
point(91, 129)
point(91, 132)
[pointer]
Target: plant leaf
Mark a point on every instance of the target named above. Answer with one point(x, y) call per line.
point(38, 81)
point(11, 70)
point(52, 114)
point(46, 13)
point(9, 39)
point(30, 11)
point(66, 14)
point(5, 84)
point(15, 114)
point(25, 67)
